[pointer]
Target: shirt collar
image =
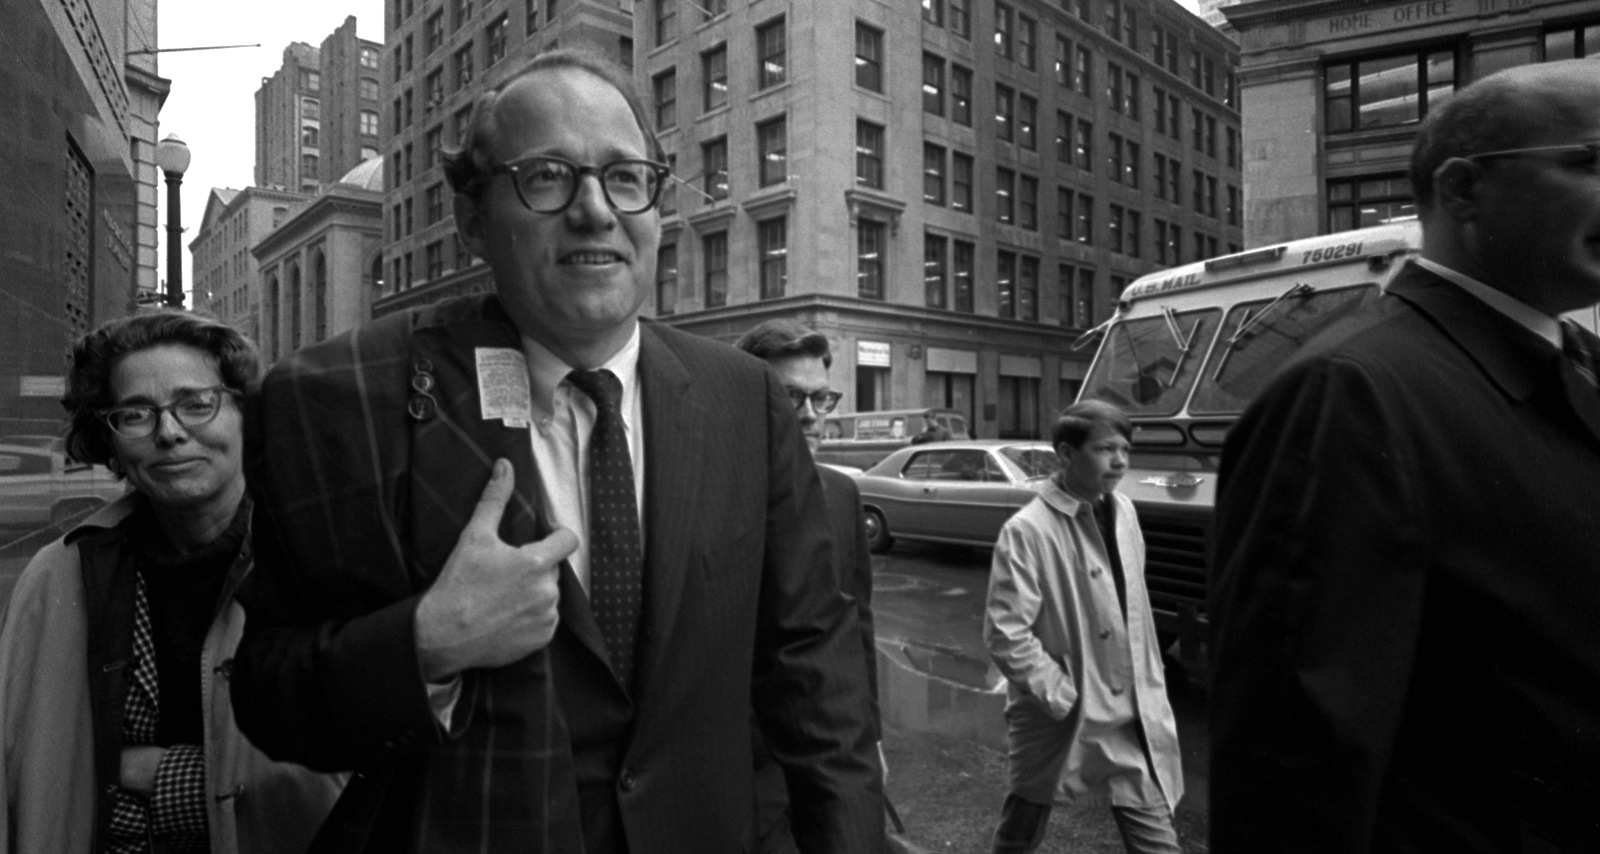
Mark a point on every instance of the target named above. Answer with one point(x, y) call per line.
point(546, 371)
point(1537, 322)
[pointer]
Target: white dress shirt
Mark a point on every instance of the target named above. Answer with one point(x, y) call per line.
point(1536, 321)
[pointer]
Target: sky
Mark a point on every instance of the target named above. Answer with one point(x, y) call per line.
point(212, 103)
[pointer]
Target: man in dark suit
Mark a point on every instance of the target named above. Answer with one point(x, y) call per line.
point(800, 358)
point(1405, 645)
point(570, 663)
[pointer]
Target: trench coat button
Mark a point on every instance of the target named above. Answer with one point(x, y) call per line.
point(1094, 573)
point(628, 781)
point(1105, 633)
point(1116, 690)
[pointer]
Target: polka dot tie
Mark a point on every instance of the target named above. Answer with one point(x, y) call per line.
point(615, 558)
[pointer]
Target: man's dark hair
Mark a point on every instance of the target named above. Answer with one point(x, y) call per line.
point(467, 167)
point(1078, 421)
point(1498, 112)
point(775, 339)
point(96, 354)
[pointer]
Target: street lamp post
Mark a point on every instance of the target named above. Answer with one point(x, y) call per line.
point(172, 157)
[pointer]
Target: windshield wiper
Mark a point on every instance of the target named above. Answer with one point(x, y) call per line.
point(1083, 340)
point(1248, 321)
point(1184, 342)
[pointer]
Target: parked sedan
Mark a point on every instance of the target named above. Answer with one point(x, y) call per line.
point(952, 492)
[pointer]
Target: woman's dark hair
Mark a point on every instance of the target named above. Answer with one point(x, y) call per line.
point(1078, 421)
point(467, 167)
point(97, 353)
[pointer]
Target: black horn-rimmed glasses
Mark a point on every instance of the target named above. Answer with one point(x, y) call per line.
point(548, 185)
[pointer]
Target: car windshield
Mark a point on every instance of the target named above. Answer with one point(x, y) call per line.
point(1034, 462)
point(1258, 337)
point(1148, 366)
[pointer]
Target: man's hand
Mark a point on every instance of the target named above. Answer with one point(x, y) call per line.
point(493, 603)
point(139, 766)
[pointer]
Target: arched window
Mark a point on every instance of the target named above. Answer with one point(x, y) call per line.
point(295, 301)
point(319, 284)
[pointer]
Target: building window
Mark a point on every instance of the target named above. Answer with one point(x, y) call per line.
point(1003, 108)
point(869, 155)
point(1027, 32)
point(435, 203)
point(960, 182)
point(935, 272)
point(310, 108)
point(772, 141)
point(1083, 299)
point(933, 12)
point(933, 84)
point(1211, 136)
point(1373, 200)
point(433, 258)
point(369, 57)
point(1386, 91)
point(667, 279)
point(715, 257)
point(308, 166)
point(463, 13)
point(1002, 30)
point(464, 70)
point(773, 243)
point(530, 17)
point(1571, 42)
point(1233, 148)
point(1084, 230)
point(497, 37)
point(432, 142)
point(433, 32)
point(870, 246)
point(1063, 63)
point(714, 74)
point(1123, 89)
point(1083, 72)
point(1164, 48)
point(666, 20)
point(369, 89)
point(1027, 122)
point(1005, 283)
point(1166, 242)
point(1028, 203)
point(869, 57)
point(665, 89)
point(1063, 141)
point(960, 95)
point(433, 89)
point(1028, 288)
point(1211, 196)
point(1198, 119)
point(1083, 145)
point(962, 275)
point(1233, 205)
point(1114, 221)
point(308, 136)
point(714, 168)
point(933, 173)
point(771, 55)
point(669, 188)
point(1005, 193)
point(1208, 76)
point(961, 18)
point(1064, 212)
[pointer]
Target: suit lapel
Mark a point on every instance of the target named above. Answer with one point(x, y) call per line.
point(674, 441)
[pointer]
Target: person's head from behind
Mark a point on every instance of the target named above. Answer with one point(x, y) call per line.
point(800, 357)
point(1506, 177)
point(1093, 439)
point(156, 398)
point(556, 184)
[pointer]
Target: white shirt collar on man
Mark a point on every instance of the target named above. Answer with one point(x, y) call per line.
point(1537, 322)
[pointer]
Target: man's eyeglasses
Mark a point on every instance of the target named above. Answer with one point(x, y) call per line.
point(548, 185)
point(195, 409)
point(1589, 151)
point(822, 402)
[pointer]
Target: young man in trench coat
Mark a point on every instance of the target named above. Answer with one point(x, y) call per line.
point(1068, 623)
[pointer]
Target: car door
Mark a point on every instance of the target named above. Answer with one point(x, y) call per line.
point(972, 499)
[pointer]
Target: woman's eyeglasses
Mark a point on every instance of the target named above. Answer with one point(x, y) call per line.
point(194, 409)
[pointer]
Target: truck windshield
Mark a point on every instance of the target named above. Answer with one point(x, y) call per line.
point(1259, 337)
point(1148, 366)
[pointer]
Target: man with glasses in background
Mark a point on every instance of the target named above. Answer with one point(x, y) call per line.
point(800, 358)
point(1405, 649)
point(570, 663)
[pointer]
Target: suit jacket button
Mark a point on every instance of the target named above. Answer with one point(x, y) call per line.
point(628, 781)
point(1105, 633)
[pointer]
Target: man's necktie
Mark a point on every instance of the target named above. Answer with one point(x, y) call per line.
point(1573, 347)
point(615, 555)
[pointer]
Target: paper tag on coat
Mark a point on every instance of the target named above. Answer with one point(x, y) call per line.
point(503, 386)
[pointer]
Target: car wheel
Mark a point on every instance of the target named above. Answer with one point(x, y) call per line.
point(878, 539)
